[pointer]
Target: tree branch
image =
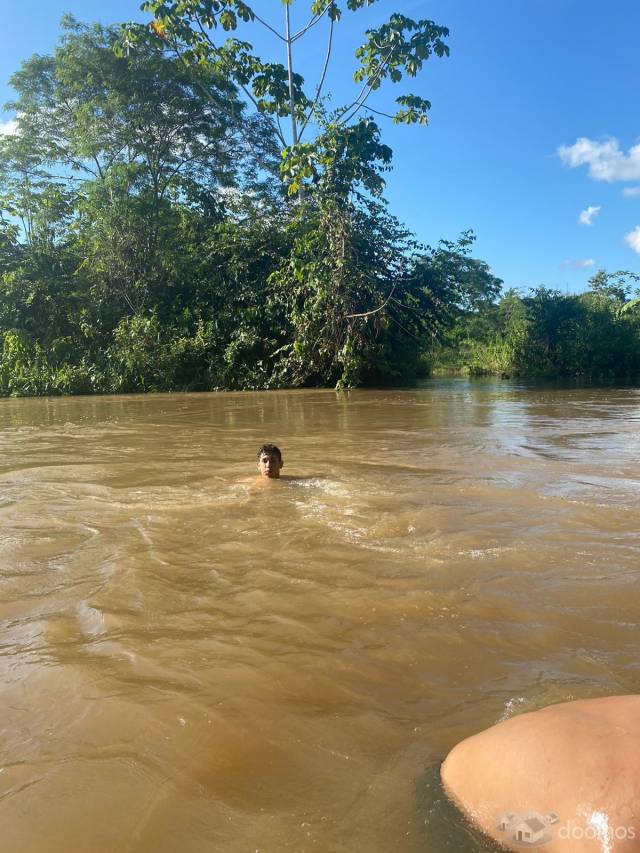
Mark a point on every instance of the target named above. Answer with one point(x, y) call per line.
point(366, 90)
point(314, 20)
point(279, 129)
point(321, 83)
point(292, 103)
point(378, 112)
point(374, 310)
point(268, 26)
point(241, 85)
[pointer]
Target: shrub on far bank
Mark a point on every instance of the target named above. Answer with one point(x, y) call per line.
point(593, 335)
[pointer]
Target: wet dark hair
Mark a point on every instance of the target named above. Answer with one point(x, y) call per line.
point(270, 448)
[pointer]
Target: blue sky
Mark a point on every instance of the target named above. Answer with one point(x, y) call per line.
point(534, 122)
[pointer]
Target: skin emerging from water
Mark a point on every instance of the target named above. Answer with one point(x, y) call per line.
point(579, 760)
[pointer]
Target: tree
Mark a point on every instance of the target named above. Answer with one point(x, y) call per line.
point(122, 140)
point(112, 193)
point(192, 29)
point(341, 286)
point(148, 243)
point(613, 286)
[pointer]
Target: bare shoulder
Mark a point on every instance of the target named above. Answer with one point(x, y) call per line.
point(577, 761)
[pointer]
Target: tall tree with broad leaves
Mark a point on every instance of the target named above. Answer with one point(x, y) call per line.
point(198, 32)
point(342, 284)
point(122, 140)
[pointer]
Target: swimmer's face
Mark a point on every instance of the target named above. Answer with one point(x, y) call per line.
point(269, 465)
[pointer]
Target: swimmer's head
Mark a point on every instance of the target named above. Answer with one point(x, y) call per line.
point(270, 461)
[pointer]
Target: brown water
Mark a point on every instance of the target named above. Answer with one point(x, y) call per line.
point(190, 663)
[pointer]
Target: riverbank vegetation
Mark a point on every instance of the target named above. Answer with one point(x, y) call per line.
point(159, 232)
point(594, 336)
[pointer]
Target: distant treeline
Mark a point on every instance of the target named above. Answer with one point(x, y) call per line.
point(147, 243)
point(593, 335)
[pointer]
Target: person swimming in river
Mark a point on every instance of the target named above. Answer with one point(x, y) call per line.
point(270, 462)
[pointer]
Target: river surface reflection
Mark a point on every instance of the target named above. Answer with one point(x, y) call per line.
point(191, 664)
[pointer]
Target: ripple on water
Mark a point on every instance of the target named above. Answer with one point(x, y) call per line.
point(189, 659)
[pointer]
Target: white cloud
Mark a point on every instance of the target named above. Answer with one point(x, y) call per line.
point(605, 160)
point(632, 239)
point(588, 215)
point(580, 264)
point(631, 192)
point(8, 128)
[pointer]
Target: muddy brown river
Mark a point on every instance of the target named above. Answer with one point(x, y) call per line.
point(192, 663)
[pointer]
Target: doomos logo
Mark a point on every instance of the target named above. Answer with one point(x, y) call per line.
point(527, 828)
point(532, 829)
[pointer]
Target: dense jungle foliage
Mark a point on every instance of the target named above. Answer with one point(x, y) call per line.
point(155, 235)
point(593, 335)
